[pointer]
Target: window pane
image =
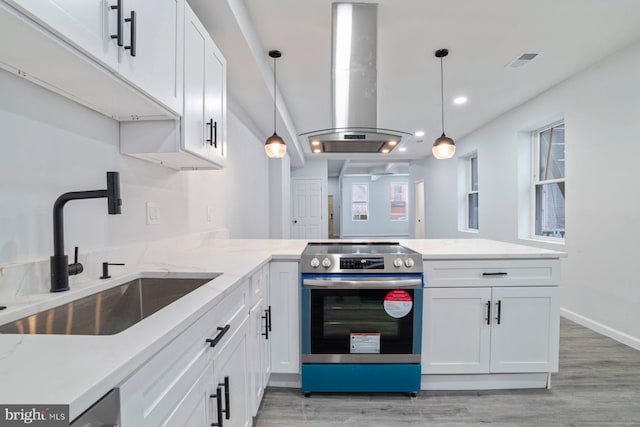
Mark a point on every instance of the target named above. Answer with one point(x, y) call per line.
point(399, 201)
point(550, 210)
point(473, 211)
point(474, 173)
point(359, 202)
point(551, 162)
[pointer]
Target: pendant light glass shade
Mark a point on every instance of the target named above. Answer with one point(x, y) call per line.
point(443, 147)
point(274, 145)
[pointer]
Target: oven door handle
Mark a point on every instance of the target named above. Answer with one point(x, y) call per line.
point(390, 283)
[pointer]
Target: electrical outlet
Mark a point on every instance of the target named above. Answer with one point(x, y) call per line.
point(153, 213)
point(209, 213)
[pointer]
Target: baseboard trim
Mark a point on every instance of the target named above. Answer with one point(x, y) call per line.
point(621, 337)
point(485, 381)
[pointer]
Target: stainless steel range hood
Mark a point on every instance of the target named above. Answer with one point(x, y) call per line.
point(354, 86)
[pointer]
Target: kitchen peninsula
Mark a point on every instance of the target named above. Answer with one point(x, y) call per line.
point(490, 320)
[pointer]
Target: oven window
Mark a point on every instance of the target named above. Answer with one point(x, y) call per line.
point(336, 314)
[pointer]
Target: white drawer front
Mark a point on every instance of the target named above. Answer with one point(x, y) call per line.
point(519, 272)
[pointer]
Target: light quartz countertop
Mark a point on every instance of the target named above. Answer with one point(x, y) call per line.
point(77, 370)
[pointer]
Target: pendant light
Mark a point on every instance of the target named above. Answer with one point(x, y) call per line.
point(275, 146)
point(443, 147)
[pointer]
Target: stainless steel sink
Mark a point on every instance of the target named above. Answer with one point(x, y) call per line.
point(110, 311)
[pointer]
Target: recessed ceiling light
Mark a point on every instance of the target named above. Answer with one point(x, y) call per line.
point(419, 133)
point(384, 150)
point(315, 142)
point(317, 150)
point(460, 100)
point(402, 149)
point(392, 142)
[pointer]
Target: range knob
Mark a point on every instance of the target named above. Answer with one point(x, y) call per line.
point(326, 263)
point(408, 262)
point(397, 262)
point(315, 262)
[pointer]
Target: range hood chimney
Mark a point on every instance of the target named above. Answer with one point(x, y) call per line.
point(354, 86)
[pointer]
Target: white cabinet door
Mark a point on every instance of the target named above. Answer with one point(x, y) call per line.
point(195, 409)
point(265, 357)
point(87, 24)
point(284, 295)
point(215, 101)
point(456, 333)
point(525, 331)
point(156, 67)
point(255, 355)
point(230, 369)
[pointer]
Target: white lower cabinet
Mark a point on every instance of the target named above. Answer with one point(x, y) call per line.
point(259, 342)
point(284, 294)
point(178, 384)
point(490, 330)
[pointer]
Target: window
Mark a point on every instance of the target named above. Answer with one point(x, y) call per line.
point(548, 183)
point(472, 192)
point(399, 201)
point(359, 202)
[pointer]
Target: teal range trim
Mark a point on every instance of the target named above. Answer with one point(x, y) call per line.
point(395, 377)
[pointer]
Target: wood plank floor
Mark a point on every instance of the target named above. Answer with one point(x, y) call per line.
point(598, 385)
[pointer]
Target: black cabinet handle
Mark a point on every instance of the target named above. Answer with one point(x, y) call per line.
point(269, 314)
point(227, 410)
point(213, 133)
point(218, 337)
point(265, 334)
point(132, 47)
point(499, 311)
point(488, 312)
point(118, 35)
point(501, 273)
point(218, 397)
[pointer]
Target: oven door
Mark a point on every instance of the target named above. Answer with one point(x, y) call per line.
point(361, 318)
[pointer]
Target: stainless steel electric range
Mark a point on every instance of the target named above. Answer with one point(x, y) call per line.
point(361, 317)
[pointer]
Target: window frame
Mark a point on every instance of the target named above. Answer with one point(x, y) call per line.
point(469, 191)
point(366, 202)
point(535, 181)
point(406, 201)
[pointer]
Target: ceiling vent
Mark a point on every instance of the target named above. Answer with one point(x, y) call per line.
point(523, 59)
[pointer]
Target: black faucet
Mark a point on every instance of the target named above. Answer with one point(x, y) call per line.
point(60, 269)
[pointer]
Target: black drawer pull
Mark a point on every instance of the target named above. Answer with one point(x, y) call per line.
point(501, 273)
point(227, 410)
point(118, 35)
point(132, 47)
point(499, 311)
point(265, 334)
point(218, 337)
point(488, 312)
point(218, 397)
point(213, 133)
point(269, 314)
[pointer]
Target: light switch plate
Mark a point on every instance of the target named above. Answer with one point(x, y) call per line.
point(153, 213)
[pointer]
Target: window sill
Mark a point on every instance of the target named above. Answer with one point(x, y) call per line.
point(557, 242)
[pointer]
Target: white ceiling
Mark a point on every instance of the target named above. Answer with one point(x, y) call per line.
point(482, 38)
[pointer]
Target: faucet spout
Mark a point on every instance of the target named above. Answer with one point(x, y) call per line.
point(60, 268)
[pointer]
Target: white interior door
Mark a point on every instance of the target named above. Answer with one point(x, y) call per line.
point(307, 209)
point(418, 217)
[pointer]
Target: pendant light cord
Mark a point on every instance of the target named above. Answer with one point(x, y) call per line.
point(275, 93)
point(442, 94)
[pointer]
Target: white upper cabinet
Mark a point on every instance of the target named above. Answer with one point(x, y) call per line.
point(151, 57)
point(87, 24)
point(198, 141)
point(120, 58)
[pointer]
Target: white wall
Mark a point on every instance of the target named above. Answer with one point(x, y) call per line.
point(601, 108)
point(51, 145)
point(379, 223)
point(280, 198)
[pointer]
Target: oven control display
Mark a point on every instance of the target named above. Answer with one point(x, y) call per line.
point(375, 263)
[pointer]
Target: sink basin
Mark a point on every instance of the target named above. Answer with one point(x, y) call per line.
point(110, 311)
